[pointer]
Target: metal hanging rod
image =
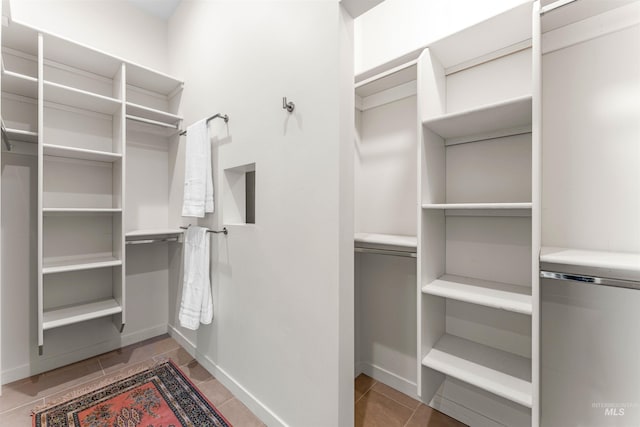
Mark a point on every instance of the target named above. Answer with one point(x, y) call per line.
point(391, 252)
point(215, 116)
point(5, 138)
point(223, 231)
point(151, 122)
point(601, 281)
point(145, 241)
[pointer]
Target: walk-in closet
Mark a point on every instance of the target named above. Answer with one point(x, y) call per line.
point(320, 214)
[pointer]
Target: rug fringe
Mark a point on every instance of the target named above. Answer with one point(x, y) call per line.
point(104, 383)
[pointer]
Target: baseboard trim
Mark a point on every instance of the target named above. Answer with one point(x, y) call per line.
point(53, 362)
point(395, 381)
point(260, 410)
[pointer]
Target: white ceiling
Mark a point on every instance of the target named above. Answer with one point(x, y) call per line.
point(160, 8)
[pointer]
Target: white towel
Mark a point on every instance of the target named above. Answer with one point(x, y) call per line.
point(198, 181)
point(197, 305)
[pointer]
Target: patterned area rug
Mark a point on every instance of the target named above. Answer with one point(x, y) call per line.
point(160, 396)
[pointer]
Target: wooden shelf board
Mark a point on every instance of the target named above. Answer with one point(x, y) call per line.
point(482, 121)
point(621, 265)
point(504, 374)
point(64, 316)
point(386, 240)
point(153, 232)
point(22, 135)
point(19, 84)
point(59, 265)
point(80, 153)
point(152, 114)
point(498, 295)
point(78, 98)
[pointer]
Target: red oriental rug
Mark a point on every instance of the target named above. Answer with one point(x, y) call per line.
point(161, 396)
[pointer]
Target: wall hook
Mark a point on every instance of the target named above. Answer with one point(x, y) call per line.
point(289, 106)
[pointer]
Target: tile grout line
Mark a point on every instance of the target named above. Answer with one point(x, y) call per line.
point(398, 402)
point(413, 414)
point(13, 408)
point(367, 391)
point(101, 367)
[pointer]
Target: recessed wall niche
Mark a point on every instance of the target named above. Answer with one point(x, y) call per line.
point(239, 195)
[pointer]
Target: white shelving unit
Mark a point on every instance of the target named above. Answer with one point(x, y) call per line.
point(73, 102)
point(476, 237)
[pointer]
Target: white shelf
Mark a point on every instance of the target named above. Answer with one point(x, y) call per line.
point(576, 11)
point(78, 98)
point(80, 153)
point(154, 232)
point(152, 114)
point(19, 84)
point(622, 265)
point(525, 205)
point(482, 292)
point(71, 211)
point(22, 135)
point(487, 121)
point(51, 266)
point(79, 313)
point(153, 81)
point(504, 374)
point(386, 240)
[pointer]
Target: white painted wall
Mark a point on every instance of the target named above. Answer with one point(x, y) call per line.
point(116, 27)
point(396, 27)
point(283, 288)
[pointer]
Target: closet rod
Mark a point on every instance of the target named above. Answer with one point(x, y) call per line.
point(223, 231)
point(151, 122)
point(601, 281)
point(391, 252)
point(5, 138)
point(145, 241)
point(224, 117)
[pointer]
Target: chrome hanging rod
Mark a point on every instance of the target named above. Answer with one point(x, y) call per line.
point(391, 252)
point(5, 138)
point(215, 116)
point(223, 231)
point(144, 241)
point(151, 122)
point(602, 281)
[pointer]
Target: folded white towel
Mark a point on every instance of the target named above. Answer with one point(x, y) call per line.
point(198, 181)
point(197, 305)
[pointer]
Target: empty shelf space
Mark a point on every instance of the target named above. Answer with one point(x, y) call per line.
point(151, 232)
point(504, 374)
point(19, 84)
point(152, 114)
point(61, 265)
point(73, 97)
point(22, 135)
point(64, 316)
point(386, 240)
point(503, 296)
point(485, 122)
point(80, 153)
point(621, 265)
point(144, 78)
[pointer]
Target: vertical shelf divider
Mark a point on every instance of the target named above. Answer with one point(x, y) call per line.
point(40, 190)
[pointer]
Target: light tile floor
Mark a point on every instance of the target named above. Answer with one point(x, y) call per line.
point(378, 405)
point(20, 397)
